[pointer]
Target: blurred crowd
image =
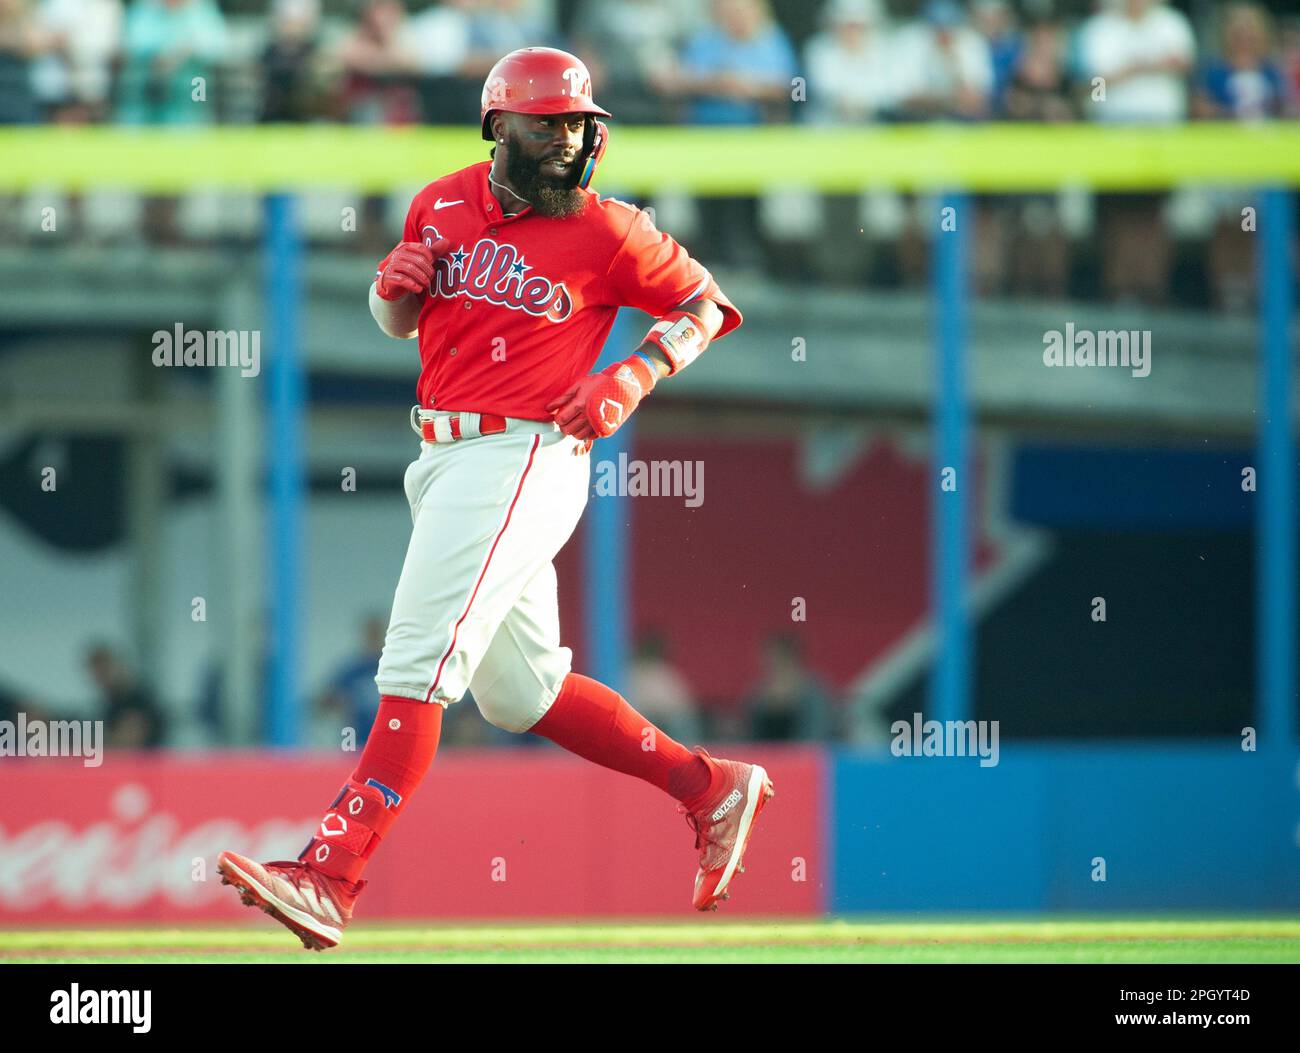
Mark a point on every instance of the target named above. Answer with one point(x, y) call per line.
point(720, 62)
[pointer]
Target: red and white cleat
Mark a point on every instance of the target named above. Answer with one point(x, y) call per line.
point(722, 828)
point(313, 906)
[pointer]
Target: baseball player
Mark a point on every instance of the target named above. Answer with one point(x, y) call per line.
point(510, 273)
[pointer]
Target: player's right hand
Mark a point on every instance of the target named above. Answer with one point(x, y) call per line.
point(407, 269)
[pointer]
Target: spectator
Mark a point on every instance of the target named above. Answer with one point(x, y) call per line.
point(737, 71)
point(10, 705)
point(945, 72)
point(851, 76)
point(72, 80)
point(21, 41)
point(1245, 84)
point(996, 23)
point(1289, 64)
point(661, 693)
point(1036, 257)
point(289, 62)
point(497, 27)
point(350, 693)
point(789, 704)
point(1142, 50)
point(624, 44)
point(378, 66)
point(132, 720)
point(454, 44)
point(171, 50)
point(13, 702)
point(439, 39)
point(1138, 53)
point(1039, 89)
point(944, 66)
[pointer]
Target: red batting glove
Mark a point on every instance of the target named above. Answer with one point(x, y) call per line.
point(407, 269)
point(599, 403)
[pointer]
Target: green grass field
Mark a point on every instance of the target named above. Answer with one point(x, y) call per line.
point(711, 940)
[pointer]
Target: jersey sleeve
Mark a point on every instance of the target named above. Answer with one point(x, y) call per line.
point(408, 230)
point(654, 274)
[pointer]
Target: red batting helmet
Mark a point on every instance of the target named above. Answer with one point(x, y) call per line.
point(546, 80)
point(538, 80)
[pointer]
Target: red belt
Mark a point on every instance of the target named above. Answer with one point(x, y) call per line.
point(488, 424)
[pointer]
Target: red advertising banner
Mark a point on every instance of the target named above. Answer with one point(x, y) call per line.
point(490, 834)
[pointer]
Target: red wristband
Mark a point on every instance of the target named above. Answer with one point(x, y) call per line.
point(681, 337)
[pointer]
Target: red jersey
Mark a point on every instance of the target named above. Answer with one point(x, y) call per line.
point(520, 306)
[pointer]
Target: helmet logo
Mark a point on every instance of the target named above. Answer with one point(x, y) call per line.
point(579, 82)
point(498, 89)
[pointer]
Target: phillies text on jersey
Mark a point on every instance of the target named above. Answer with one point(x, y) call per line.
point(496, 273)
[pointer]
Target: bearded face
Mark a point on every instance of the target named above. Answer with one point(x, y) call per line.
point(544, 176)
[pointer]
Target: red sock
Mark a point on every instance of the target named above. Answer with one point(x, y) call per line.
point(400, 749)
point(596, 723)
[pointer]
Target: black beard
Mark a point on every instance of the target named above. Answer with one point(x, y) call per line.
point(556, 198)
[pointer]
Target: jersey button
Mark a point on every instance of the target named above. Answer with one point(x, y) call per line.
point(467, 305)
point(491, 207)
point(493, 231)
point(452, 351)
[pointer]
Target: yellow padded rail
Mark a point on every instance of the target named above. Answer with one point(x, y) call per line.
point(708, 161)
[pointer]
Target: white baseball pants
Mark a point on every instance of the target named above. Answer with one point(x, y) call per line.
point(476, 604)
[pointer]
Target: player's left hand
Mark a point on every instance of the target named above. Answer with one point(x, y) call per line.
point(598, 404)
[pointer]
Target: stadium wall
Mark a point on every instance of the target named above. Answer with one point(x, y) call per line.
point(496, 834)
point(491, 834)
point(1179, 828)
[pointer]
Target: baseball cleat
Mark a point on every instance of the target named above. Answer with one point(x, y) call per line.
point(723, 826)
point(314, 907)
